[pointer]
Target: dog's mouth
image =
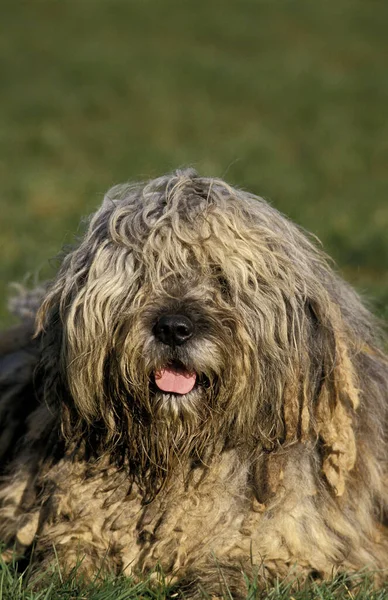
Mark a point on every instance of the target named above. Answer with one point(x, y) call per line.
point(175, 379)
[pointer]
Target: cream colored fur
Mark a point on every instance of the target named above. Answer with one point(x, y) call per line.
point(275, 464)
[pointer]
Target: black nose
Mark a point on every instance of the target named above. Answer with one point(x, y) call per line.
point(173, 330)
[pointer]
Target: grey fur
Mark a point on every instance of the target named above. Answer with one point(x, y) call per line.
point(279, 454)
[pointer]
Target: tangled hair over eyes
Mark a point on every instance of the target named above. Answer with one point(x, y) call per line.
point(285, 348)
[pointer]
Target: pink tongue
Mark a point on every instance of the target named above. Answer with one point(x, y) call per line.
point(176, 382)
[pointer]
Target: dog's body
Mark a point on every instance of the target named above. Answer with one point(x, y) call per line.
point(202, 393)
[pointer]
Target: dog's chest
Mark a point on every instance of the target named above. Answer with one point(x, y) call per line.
point(187, 523)
point(184, 524)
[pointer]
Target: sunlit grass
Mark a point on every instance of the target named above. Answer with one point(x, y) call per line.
point(287, 99)
point(21, 584)
point(54, 585)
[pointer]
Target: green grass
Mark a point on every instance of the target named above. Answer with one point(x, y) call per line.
point(286, 98)
point(16, 586)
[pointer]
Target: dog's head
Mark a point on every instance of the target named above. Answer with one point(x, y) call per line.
point(197, 310)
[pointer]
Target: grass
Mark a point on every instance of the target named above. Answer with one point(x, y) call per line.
point(287, 98)
point(15, 586)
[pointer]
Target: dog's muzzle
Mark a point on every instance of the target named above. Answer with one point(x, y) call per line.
point(174, 330)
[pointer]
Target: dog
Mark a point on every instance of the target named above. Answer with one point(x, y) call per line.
point(196, 388)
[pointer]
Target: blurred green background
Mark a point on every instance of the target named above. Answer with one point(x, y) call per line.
point(285, 98)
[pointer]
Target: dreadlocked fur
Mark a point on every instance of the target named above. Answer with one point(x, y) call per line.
point(278, 455)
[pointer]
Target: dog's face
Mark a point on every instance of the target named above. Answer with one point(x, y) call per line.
point(184, 350)
point(192, 305)
point(161, 303)
point(183, 301)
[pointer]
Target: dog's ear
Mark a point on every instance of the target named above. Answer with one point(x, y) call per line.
point(336, 397)
point(321, 400)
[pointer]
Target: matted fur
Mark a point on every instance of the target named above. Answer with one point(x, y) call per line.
point(275, 463)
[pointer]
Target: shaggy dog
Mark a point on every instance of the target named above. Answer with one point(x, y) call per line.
point(199, 391)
